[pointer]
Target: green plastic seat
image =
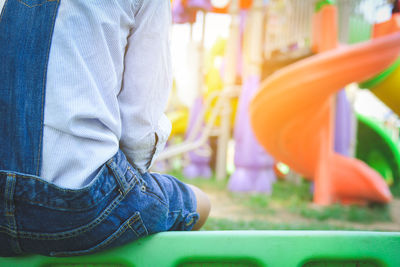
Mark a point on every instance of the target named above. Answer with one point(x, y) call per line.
point(240, 249)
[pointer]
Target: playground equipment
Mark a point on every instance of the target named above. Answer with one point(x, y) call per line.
point(213, 80)
point(254, 167)
point(179, 119)
point(262, 168)
point(292, 117)
point(287, 30)
point(240, 248)
point(386, 87)
point(243, 4)
point(199, 131)
point(198, 155)
point(177, 113)
point(376, 147)
point(288, 26)
point(274, 248)
point(192, 6)
point(386, 84)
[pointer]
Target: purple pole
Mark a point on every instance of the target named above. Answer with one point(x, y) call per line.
point(343, 125)
point(182, 14)
point(254, 168)
point(200, 4)
point(199, 166)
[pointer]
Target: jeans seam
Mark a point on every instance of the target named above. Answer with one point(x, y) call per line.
point(60, 208)
point(82, 229)
point(159, 184)
point(124, 186)
point(155, 196)
point(118, 178)
point(10, 213)
point(29, 6)
point(66, 190)
point(175, 211)
point(134, 176)
point(8, 231)
point(83, 190)
point(6, 200)
point(152, 194)
point(75, 232)
point(120, 231)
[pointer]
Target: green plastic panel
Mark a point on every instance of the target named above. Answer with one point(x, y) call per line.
point(376, 148)
point(240, 249)
point(342, 264)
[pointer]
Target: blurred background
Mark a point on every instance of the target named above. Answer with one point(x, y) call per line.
point(286, 112)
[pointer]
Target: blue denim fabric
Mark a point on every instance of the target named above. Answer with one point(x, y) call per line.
point(26, 28)
point(119, 206)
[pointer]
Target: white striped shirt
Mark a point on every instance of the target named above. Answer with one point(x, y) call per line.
point(108, 81)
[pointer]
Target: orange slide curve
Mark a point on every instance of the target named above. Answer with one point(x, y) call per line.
point(292, 118)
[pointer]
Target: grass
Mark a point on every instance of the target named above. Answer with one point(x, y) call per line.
point(292, 198)
point(211, 183)
point(214, 224)
point(366, 215)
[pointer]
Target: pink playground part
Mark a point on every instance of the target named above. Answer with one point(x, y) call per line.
point(292, 118)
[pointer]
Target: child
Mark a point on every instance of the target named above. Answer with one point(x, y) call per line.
point(83, 88)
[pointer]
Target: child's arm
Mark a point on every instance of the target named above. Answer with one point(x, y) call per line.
point(146, 84)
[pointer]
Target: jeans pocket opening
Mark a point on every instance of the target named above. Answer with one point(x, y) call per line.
point(150, 188)
point(134, 223)
point(150, 193)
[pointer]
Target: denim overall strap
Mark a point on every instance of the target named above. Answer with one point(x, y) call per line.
point(26, 29)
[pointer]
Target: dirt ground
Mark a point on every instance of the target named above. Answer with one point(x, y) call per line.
point(224, 208)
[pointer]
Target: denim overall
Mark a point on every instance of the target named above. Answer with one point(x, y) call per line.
point(120, 205)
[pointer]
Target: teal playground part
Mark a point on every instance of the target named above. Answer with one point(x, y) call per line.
point(359, 29)
point(240, 249)
point(354, 26)
point(320, 4)
point(376, 148)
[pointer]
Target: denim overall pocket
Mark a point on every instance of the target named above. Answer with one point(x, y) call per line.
point(124, 204)
point(131, 229)
point(62, 222)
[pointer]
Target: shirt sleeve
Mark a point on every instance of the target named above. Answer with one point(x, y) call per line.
point(146, 84)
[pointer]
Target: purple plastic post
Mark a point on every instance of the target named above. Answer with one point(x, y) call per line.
point(343, 125)
point(181, 14)
point(254, 167)
point(242, 28)
point(199, 4)
point(186, 13)
point(199, 166)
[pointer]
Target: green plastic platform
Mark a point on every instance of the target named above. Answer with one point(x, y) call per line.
point(240, 249)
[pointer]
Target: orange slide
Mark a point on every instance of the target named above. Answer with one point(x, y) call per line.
point(292, 118)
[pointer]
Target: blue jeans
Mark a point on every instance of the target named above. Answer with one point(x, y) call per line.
point(119, 206)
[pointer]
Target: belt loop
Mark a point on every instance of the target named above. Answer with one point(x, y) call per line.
point(123, 187)
point(10, 211)
point(9, 195)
